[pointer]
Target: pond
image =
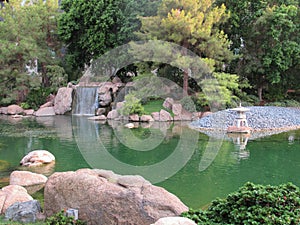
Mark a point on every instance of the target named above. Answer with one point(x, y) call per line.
point(195, 167)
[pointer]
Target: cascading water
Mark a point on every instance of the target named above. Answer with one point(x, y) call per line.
point(86, 101)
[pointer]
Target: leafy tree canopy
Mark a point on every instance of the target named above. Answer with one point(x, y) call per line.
point(27, 41)
point(91, 28)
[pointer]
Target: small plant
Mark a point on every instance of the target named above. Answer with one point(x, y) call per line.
point(188, 104)
point(132, 106)
point(25, 105)
point(60, 218)
point(37, 97)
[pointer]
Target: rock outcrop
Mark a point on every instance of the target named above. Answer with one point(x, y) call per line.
point(37, 158)
point(103, 197)
point(11, 194)
point(63, 100)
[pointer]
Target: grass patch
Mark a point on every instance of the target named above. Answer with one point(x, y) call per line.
point(155, 106)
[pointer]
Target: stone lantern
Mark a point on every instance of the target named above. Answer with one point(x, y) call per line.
point(240, 124)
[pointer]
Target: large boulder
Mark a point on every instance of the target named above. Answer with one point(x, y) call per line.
point(24, 212)
point(103, 197)
point(14, 109)
point(37, 158)
point(47, 111)
point(11, 194)
point(177, 109)
point(165, 116)
point(26, 178)
point(155, 116)
point(63, 100)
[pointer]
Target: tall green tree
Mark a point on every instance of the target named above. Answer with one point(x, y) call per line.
point(192, 24)
point(91, 28)
point(265, 34)
point(27, 40)
point(273, 48)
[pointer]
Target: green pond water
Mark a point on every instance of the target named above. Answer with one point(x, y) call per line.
point(189, 164)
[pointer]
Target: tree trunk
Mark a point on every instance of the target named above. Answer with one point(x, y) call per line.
point(185, 82)
point(259, 92)
point(185, 71)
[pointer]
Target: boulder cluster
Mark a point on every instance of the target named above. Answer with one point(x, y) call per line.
point(97, 196)
point(109, 102)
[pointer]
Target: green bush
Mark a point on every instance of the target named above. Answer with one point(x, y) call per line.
point(132, 105)
point(188, 104)
point(37, 97)
point(253, 204)
point(25, 105)
point(292, 103)
point(61, 219)
point(286, 103)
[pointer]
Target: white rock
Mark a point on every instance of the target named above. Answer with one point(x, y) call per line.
point(37, 157)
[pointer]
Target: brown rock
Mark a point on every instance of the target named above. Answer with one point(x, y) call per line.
point(26, 178)
point(116, 80)
point(105, 99)
point(185, 116)
point(63, 100)
point(101, 117)
point(47, 104)
point(14, 109)
point(134, 118)
point(12, 194)
point(155, 116)
point(146, 118)
point(48, 111)
point(165, 116)
point(177, 109)
point(3, 110)
point(29, 112)
point(207, 113)
point(101, 111)
point(113, 114)
point(112, 200)
point(168, 103)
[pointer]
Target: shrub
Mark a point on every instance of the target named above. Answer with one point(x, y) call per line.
point(292, 103)
point(61, 219)
point(37, 97)
point(253, 204)
point(132, 106)
point(25, 105)
point(188, 104)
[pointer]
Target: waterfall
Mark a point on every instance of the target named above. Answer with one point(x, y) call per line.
point(86, 101)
